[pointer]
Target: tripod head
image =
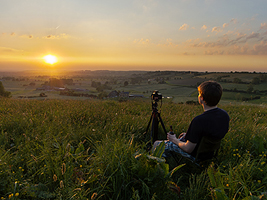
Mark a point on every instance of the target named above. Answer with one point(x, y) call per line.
point(155, 97)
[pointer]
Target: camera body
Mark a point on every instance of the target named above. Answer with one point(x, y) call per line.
point(156, 96)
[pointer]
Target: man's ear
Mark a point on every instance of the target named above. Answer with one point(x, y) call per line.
point(200, 99)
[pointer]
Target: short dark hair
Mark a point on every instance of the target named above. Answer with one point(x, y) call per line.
point(211, 91)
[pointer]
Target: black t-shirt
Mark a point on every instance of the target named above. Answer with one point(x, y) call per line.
point(213, 123)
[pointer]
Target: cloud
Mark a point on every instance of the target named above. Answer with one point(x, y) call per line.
point(27, 36)
point(61, 36)
point(13, 34)
point(260, 49)
point(239, 50)
point(184, 27)
point(216, 29)
point(141, 41)
point(233, 20)
point(253, 35)
point(263, 26)
point(204, 27)
point(211, 52)
point(238, 38)
point(225, 25)
point(9, 50)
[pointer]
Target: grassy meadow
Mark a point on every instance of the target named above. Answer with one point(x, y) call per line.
point(92, 149)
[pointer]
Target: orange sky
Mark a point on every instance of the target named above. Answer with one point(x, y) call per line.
point(208, 35)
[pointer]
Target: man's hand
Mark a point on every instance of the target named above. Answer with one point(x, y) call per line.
point(181, 135)
point(172, 138)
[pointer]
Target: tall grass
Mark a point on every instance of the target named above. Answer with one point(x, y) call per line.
point(68, 149)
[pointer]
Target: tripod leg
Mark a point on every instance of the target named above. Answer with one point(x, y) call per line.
point(154, 130)
point(162, 124)
point(149, 122)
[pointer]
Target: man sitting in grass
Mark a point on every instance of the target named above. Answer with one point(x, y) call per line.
point(214, 122)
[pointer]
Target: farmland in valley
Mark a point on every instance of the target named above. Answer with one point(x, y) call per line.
point(180, 87)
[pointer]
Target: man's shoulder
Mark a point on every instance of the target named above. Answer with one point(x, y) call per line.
point(211, 113)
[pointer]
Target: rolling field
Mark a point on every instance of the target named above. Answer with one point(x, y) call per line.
point(91, 149)
point(177, 86)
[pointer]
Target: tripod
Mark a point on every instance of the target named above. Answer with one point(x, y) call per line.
point(155, 118)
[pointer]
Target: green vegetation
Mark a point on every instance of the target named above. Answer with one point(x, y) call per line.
point(3, 92)
point(70, 149)
point(179, 86)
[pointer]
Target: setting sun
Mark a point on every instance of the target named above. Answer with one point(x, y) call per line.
point(50, 59)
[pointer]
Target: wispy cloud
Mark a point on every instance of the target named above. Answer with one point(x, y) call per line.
point(184, 27)
point(263, 26)
point(216, 29)
point(141, 41)
point(204, 27)
point(260, 49)
point(253, 35)
point(213, 52)
point(9, 50)
point(60, 36)
point(225, 25)
point(27, 36)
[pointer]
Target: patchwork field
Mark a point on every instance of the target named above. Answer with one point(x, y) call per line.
point(179, 87)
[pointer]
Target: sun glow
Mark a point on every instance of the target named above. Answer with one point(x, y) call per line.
point(50, 59)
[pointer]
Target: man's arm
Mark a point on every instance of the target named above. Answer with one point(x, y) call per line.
point(185, 146)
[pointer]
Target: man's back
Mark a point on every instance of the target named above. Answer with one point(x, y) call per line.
point(213, 123)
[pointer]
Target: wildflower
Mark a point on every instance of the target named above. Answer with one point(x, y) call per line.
point(81, 166)
point(227, 185)
point(94, 196)
point(236, 149)
point(17, 194)
point(20, 167)
point(262, 163)
point(22, 170)
point(2, 198)
point(234, 154)
point(61, 184)
point(63, 168)
point(9, 196)
point(55, 177)
point(259, 181)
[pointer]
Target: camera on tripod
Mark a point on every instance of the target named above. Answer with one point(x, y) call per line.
point(156, 96)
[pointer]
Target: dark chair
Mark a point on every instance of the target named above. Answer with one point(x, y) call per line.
point(207, 150)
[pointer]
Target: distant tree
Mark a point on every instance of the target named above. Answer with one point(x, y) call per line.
point(250, 88)
point(95, 84)
point(263, 77)
point(256, 80)
point(126, 83)
point(3, 92)
point(237, 80)
point(102, 95)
